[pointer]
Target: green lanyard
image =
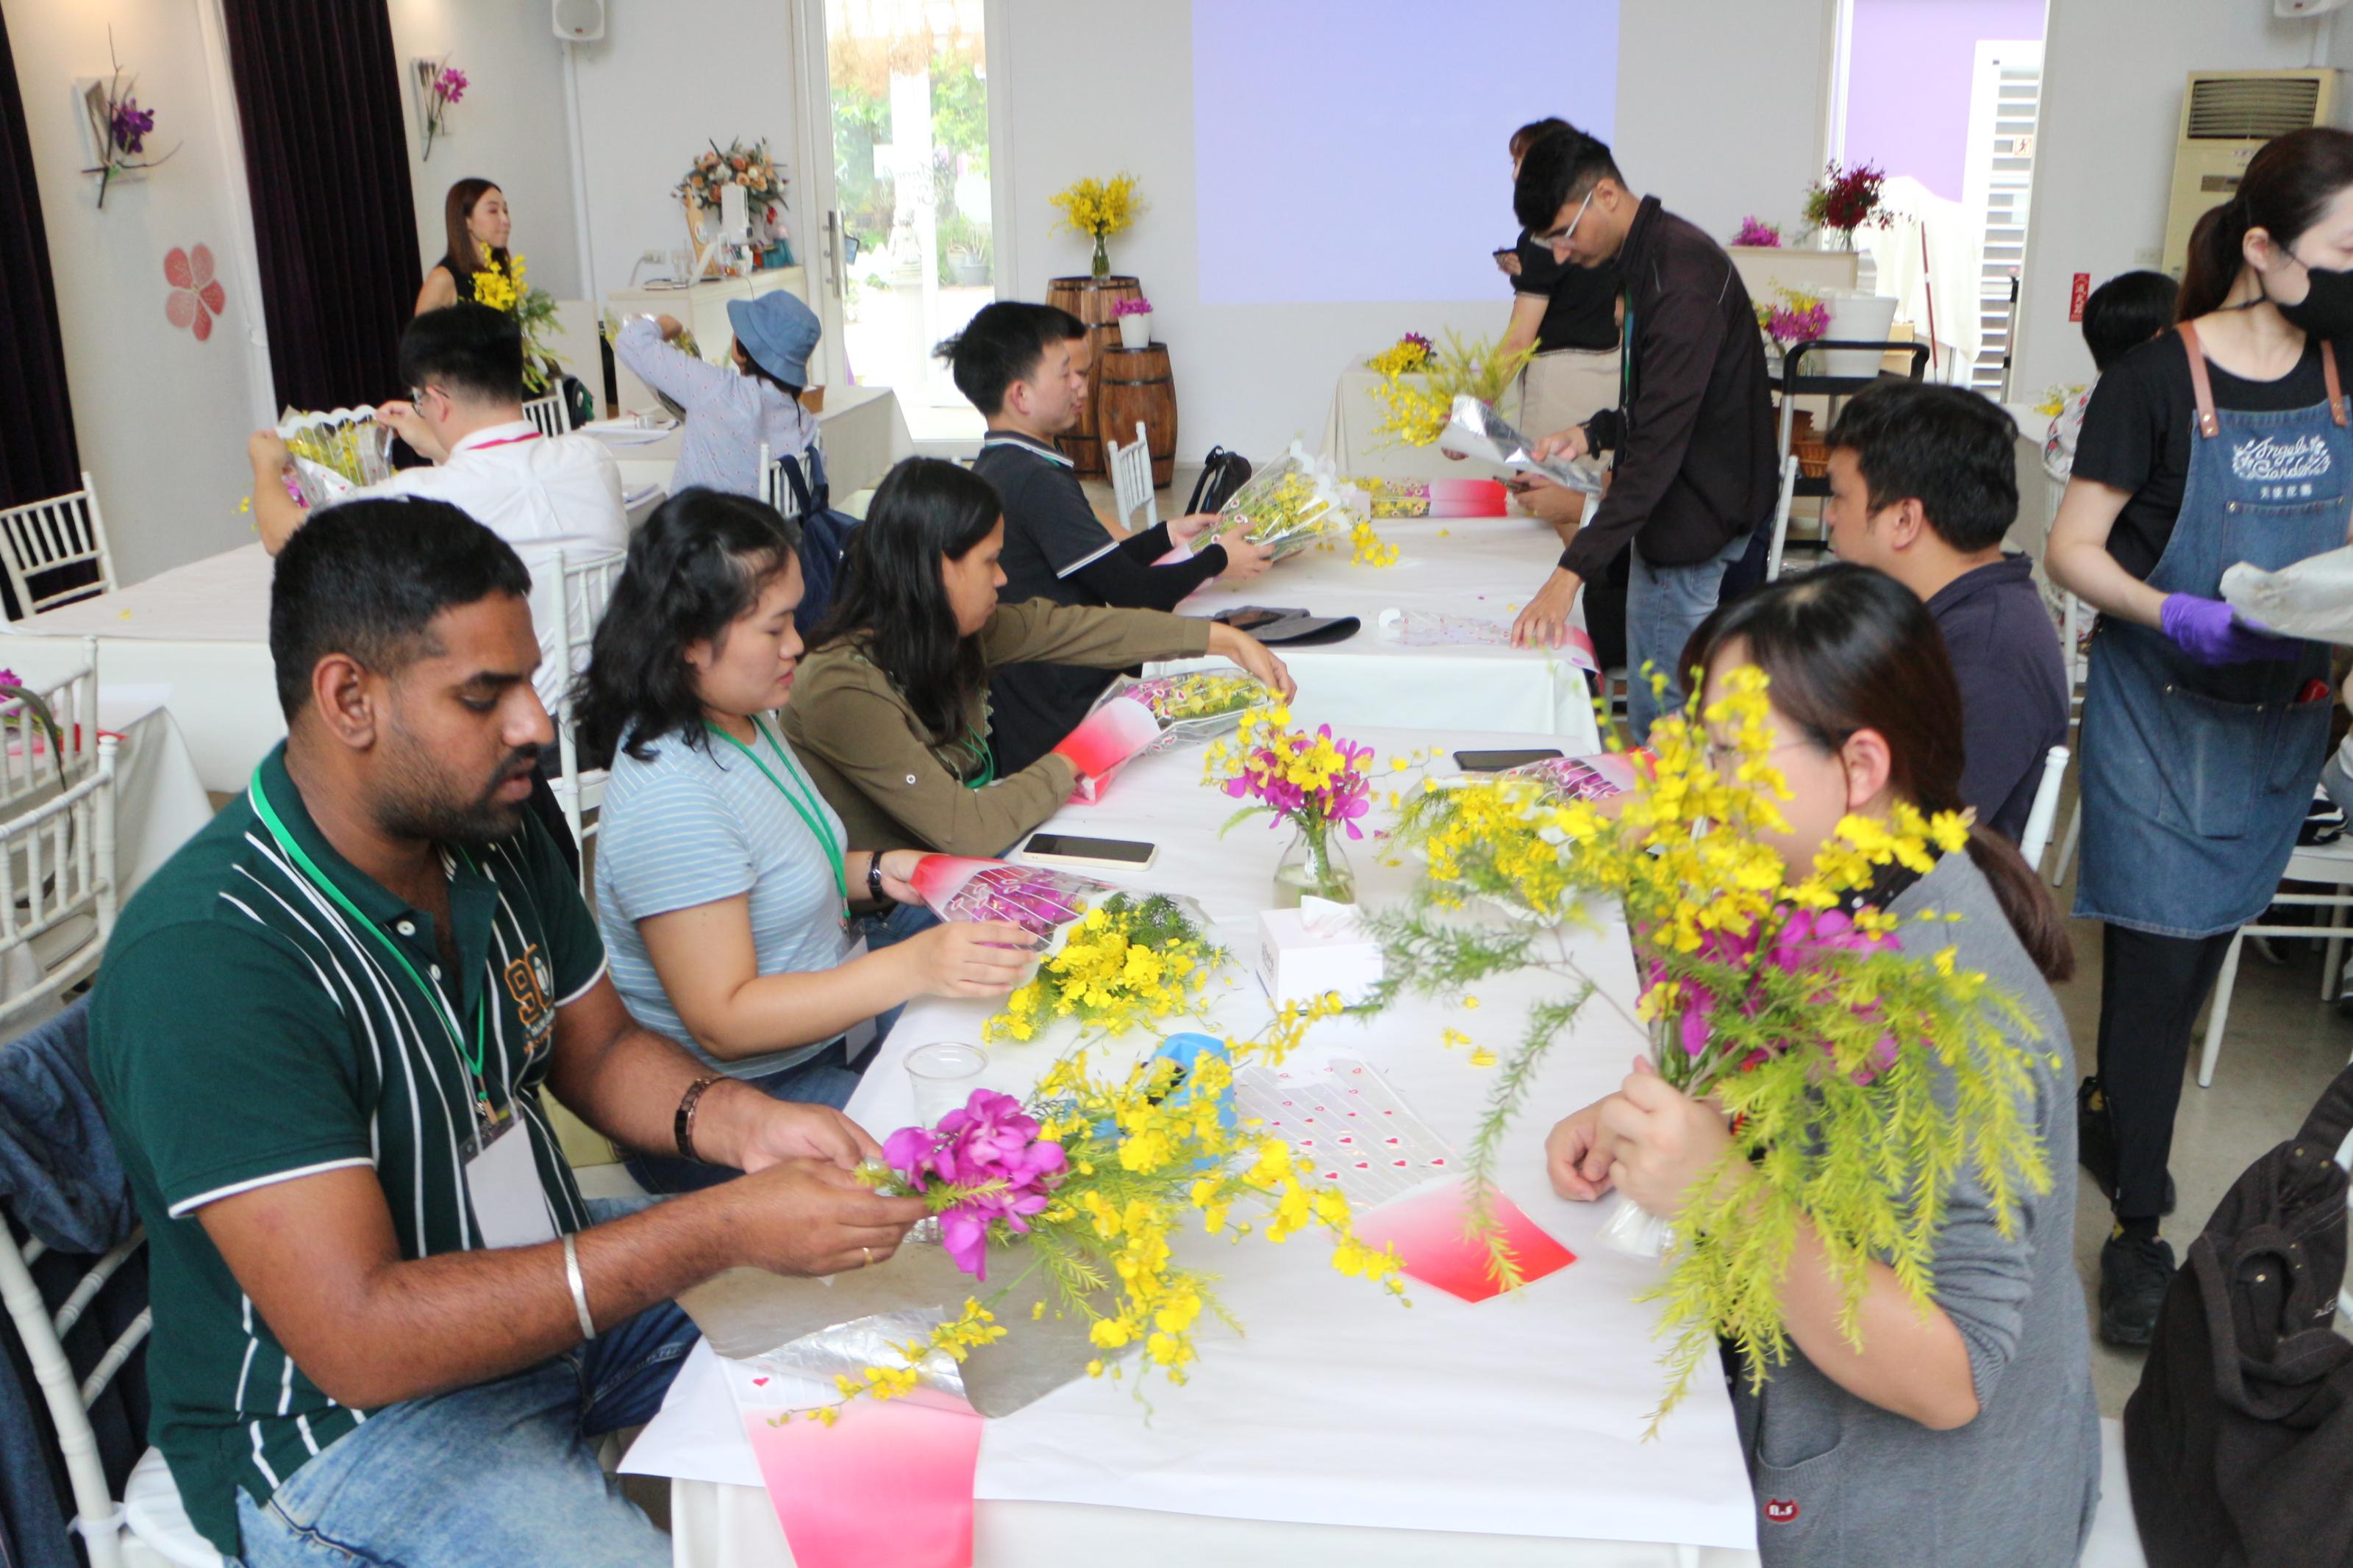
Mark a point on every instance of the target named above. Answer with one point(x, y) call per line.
point(978, 751)
point(1626, 353)
point(473, 1060)
point(812, 817)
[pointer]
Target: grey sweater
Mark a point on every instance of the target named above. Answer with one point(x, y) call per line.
point(1840, 1480)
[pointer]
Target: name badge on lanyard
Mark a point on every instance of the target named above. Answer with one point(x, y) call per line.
point(502, 1183)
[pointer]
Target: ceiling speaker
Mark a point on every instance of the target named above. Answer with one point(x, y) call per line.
point(579, 21)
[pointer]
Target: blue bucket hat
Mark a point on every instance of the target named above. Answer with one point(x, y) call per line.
point(778, 332)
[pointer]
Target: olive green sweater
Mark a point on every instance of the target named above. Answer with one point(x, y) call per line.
point(896, 788)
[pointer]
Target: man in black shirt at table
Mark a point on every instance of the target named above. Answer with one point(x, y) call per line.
point(1014, 362)
point(1692, 428)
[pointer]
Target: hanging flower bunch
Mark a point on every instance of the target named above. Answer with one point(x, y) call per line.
point(1421, 401)
point(1844, 200)
point(750, 167)
point(444, 86)
point(502, 288)
point(119, 127)
point(1126, 961)
point(1409, 355)
point(1861, 1079)
point(1794, 315)
point(1757, 232)
point(1091, 1182)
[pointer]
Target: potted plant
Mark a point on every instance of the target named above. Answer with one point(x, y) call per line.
point(1135, 317)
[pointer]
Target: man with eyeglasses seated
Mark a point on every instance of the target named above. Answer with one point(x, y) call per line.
point(1693, 430)
point(386, 1324)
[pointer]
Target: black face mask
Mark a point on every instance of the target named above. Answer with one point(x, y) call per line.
point(2326, 310)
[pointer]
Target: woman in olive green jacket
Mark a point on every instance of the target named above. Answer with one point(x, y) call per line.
point(890, 713)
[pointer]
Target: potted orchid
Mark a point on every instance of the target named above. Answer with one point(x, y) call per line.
point(1134, 318)
point(1319, 783)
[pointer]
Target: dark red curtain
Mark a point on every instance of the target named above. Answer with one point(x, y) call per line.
point(318, 92)
point(37, 435)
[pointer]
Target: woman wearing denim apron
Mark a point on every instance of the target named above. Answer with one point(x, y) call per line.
point(2226, 440)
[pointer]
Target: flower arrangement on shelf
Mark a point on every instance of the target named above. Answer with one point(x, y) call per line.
point(1419, 400)
point(1859, 1077)
point(1126, 961)
point(1757, 232)
point(1409, 355)
point(1317, 783)
point(118, 126)
point(1844, 200)
point(1099, 208)
point(708, 177)
point(504, 289)
point(1794, 315)
point(1090, 1182)
point(439, 84)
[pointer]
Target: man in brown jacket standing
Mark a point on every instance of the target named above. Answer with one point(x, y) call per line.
point(1692, 430)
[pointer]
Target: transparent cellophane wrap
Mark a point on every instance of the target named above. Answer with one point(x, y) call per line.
point(2312, 598)
point(336, 452)
point(1191, 708)
point(1293, 503)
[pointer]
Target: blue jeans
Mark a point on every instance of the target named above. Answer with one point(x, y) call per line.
point(1664, 605)
point(499, 1473)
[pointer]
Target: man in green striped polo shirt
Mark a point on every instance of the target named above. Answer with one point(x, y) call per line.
point(386, 1321)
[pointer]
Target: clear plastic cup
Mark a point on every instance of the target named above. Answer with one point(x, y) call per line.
point(944, 1075)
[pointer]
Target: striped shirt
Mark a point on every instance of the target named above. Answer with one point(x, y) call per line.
point(244, 1032)
point(699, 824)
point(727, 415)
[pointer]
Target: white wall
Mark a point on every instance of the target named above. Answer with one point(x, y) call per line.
point(509, 128)
point(667, 81)
point(2113, 77)
point(1719, 113)
point(160, 418)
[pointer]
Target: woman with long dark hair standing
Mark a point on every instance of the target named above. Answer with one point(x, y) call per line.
point(477, 226)
point(892, 713)
point(727, 891)
point(2224, 440)
point(1966, 1433)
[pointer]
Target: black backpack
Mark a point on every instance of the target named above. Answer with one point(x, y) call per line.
point(1222, 473)
point(824, 535)
point(2239, 1441)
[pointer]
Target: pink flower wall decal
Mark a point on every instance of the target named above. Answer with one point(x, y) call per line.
point(195, 298)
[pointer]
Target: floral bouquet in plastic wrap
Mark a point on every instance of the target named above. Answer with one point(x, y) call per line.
point(334, 453)
point(1198, 706)
point(1039, 901)
point(1291, 504)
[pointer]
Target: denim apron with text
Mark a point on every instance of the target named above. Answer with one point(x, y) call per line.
point(2195, 777)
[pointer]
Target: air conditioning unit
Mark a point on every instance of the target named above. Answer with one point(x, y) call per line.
point(2225, 116)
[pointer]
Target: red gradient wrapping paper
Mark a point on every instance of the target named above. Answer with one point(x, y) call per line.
point(1104, 739)
point(1429, 1230)
point(889, 1482)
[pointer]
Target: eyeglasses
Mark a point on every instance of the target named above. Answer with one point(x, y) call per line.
point(1724, 756)
point(1564, 235)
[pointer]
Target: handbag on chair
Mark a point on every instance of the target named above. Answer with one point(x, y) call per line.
point(1222, 473)
point(2239, 1441)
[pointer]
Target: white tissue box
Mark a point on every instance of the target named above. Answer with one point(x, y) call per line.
point(1319, 948)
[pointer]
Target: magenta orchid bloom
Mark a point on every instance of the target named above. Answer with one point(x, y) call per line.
point(991, 1146)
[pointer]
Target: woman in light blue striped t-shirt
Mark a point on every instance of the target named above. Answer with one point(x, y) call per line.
point(727, 891)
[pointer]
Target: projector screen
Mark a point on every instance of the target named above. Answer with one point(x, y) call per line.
point(1356, 151)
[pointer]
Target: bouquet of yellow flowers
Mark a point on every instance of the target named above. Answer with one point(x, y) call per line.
point(1299, 502)
point(1124, 963)
point(1861, 1077)
point(1099, 208)
point(504, 289)
point(1419, 391)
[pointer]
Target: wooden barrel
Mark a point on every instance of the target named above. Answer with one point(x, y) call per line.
point(1137, 385)
point(1090, 300)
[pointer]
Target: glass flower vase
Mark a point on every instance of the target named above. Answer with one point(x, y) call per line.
point(1313, 863)
point(1102, 256)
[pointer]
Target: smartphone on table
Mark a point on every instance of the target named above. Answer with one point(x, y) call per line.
point(1111, 854)
point(1497, 762)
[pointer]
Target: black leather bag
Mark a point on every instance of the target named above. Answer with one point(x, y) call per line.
point(1222, 473)
point(2239, 1441)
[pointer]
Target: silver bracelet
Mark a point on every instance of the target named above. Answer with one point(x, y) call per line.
point(579, 1286)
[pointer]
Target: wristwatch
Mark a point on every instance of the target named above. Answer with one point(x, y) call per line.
point(874, 878)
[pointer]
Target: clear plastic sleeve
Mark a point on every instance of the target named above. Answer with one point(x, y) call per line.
point(1191, 708)
point(1293, 503)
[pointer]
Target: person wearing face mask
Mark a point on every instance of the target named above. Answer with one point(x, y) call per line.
point(2226, 440)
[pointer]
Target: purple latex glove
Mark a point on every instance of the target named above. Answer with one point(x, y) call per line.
point(2210, 632)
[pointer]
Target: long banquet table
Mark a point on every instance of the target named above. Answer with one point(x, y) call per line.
point(1345, 1428)
point(1481, 568)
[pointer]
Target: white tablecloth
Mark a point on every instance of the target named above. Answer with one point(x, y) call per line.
point(862, 429)
point(1479, 567)
point(1345, 1428)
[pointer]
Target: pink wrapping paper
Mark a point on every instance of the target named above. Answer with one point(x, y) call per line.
point(1428, 1229)
point(889, 1482)
point(1104, 739)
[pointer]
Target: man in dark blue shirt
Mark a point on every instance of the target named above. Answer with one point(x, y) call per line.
point(1923, 484)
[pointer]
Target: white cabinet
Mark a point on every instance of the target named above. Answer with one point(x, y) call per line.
point(702, 309)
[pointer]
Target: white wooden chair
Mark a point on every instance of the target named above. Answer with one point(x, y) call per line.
point(1131, 482)
point(32, 762)
point(41, 536)
point(57, 894)
point(2044, 812)
point(588, 589)
point(2331, 867)
point(1781, 518)
point(551, 415)
point(776, 488)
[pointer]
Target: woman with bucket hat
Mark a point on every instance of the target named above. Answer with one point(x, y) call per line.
point(729, 413)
